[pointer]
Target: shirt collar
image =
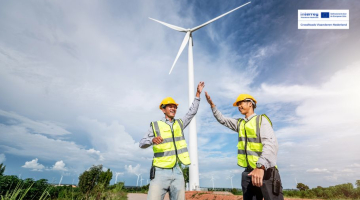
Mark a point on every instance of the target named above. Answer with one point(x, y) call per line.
point(250, 117)
point(167, 121)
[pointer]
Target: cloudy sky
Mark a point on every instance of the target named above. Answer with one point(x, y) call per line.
point(81, 81)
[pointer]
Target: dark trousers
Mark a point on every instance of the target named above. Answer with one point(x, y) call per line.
point(251, 192)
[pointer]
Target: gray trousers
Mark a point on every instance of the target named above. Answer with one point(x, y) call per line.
point(167, 180)
point(251, 192)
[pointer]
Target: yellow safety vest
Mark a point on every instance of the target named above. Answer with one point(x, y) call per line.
point(249, 145)
point(173, 146)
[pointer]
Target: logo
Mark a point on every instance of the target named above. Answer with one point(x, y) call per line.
point(323, 19)
point(309, 15)
point(325, 15)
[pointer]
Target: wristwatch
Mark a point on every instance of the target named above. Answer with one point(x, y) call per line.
point(260, 166)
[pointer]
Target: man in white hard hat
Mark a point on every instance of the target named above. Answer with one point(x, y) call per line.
point(170, 149)
point(257, 149)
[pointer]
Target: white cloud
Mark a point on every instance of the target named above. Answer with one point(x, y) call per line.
point(59, 166)
point(2, 158)
point(97, 154)
point(355, 165)
point(43, 127)
point(133, 170)
point(45, 148)
point(34, 165)
point(317, 170)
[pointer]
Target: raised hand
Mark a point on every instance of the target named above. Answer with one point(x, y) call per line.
point(208, 99)
point(200, 87)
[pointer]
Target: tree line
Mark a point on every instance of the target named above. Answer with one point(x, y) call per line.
point(342, 191)
point(94, 183)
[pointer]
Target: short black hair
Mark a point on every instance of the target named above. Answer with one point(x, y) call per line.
point(164, 105)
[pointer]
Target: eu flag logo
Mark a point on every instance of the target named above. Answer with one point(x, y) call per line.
point(325, 15)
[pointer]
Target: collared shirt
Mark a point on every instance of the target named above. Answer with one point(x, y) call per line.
point(268, 139)
point(146, 141)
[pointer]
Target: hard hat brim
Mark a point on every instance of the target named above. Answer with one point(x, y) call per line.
point(168, 104)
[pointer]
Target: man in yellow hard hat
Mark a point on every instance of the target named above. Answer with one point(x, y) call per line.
point(170, 148)
point(257, 149)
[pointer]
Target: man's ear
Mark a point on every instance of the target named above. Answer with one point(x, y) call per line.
point(163, 110)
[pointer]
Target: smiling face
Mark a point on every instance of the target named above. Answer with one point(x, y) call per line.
point(245, 107)
point(170, 111)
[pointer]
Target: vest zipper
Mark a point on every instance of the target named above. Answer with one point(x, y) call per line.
point(172, 131)
point(246, 140)
point(246, 155)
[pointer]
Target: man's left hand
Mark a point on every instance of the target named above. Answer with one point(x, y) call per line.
point(257, 176)
point(200, 87)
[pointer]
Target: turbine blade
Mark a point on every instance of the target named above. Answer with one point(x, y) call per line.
point(170, 25)
point(208, 22)
point(183, 44)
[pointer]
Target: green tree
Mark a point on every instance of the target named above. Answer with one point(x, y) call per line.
point(2, 169)
point(357, 183)
point(302, 187)
point(89, 178)
point(105, 177)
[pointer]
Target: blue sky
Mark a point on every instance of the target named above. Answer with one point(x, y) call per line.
point(81, 81)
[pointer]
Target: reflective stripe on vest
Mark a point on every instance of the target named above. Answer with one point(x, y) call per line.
point(249, 145)
point(173, 144)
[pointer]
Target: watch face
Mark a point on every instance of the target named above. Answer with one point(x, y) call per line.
point(258, 165)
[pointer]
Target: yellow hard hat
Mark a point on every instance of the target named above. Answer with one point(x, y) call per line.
point(166, 101)
point(243, 97)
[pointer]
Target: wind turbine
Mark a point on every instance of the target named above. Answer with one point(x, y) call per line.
point(137, 182)
point(194, 168)
point(212, 179)
point(141, 181)
point(117, 174)
point(230, 177)
point(60, 180)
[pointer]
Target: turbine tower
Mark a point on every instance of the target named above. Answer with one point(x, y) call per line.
point(141, 181)
point(60, 180)
point(116, 175)
point(212, 179)
point(137, 182)
point(231, 177)
point(194, 167)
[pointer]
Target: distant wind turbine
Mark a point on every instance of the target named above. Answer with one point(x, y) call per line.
point(116, 176)
point(141, 181)
point(137, 182)
point(231, 177)
point(194, 167)
point(212, 179)
point(60, 179)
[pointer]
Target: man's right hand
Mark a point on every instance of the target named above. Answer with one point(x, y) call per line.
point(209, 100)
point(157, 140)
